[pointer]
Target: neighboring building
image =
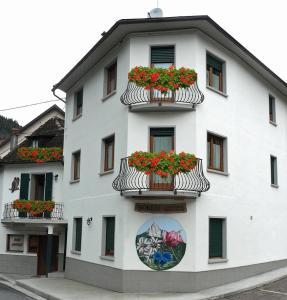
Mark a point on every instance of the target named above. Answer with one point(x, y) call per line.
point(30, 242)
point(232, 225)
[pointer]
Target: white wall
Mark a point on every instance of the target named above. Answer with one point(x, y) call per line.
point(242, 117)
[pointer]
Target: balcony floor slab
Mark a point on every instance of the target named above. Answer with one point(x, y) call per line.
point(161, 194)
point(33, 221)
point(162, 106)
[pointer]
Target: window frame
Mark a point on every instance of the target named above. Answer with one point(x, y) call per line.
point(109, 89)
point(75, 232)
point(223, 152)
point(274, 170)
point(222, 76)
point(272, 109)
point(223, 257)
point(105, 153)
point(76, 154)
point(77, 114)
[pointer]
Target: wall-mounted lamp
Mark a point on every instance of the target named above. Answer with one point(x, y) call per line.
point(89, 221)
point(56, 177)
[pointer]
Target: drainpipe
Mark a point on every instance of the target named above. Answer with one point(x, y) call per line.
point(54, 93)
point(49, 249)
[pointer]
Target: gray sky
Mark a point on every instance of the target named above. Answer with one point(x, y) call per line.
point(42, 40)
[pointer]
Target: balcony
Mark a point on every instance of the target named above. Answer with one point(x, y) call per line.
point(139, 99)
point(184, 185)
point(12, 215)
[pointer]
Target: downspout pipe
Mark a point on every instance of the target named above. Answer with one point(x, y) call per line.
point(54, 93)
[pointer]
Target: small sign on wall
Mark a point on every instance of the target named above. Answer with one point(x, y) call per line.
point(15, 243)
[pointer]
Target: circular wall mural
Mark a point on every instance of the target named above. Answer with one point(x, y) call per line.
point(161, 243)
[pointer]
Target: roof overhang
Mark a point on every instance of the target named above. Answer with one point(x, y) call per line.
point(205, 24)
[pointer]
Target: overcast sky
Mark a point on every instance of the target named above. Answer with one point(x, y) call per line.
point(41, 40)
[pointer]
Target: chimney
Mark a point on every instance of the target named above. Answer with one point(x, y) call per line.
point(14, 138)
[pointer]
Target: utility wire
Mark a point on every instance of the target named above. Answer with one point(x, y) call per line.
point(27, 105)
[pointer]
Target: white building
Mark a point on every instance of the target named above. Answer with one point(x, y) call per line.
point(31, 242)
point(232, 230)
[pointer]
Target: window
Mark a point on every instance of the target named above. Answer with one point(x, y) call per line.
point(15, 243)
point(274, 176)
point(162, 56)
point(78, 103)
point(217, 238)
point(77, 234)
point(111, 78)
point(109, 152)
point(76, 158)
point(272, 111)
point(216, 152)
point(35, 143)
point(109, 234)
point(33, 244)
point(215, 73)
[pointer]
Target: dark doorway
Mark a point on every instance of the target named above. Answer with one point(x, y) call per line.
point(37, 187)
point(42, 255)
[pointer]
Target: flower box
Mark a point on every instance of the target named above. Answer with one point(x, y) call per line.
point(162, 163)
point(163, 80)
point(34, 207)
point(40, 155)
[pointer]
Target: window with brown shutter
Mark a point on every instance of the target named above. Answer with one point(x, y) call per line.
point(76, 161)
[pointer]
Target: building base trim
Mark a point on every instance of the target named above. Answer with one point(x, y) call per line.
point(138, 281)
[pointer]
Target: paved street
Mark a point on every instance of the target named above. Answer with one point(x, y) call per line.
point(272, 291)
point(9, 294)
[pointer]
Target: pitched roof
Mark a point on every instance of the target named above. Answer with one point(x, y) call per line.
point(50, 133)
point(204, 23)
point(31, 123)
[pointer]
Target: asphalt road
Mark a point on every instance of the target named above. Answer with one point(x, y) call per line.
point(7, 293)
point(273, 291)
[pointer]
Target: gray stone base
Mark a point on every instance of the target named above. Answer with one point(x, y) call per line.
point(130, 281)
point(18, 264)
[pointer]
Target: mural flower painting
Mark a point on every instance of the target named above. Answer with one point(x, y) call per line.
point(160, 243)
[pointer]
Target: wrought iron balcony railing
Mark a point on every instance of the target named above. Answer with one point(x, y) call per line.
point(129, 179)
point(138, 95)
point(12, 213)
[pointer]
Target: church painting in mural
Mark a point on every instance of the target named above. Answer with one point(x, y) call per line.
point(161, 243)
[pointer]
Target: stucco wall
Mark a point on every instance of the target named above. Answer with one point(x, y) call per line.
point(253, 209)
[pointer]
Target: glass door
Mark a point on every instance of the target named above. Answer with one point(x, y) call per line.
point(161, 139)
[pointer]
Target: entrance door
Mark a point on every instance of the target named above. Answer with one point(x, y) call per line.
point(42, 255)
point(161, 139)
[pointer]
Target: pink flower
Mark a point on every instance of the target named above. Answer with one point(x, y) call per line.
point(171, 238)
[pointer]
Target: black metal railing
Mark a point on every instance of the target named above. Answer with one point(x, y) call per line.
point(139, 95)
point(13, 213)
point(129, 179)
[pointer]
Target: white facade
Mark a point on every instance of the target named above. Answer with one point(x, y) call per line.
point(253, 209)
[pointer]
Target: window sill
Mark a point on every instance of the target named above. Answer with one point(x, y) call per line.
point(217, 91)
point(273, 123)
point(217, 172)
point(74, 181)
point(76, 252)
point(217, 260)
point(77, 117)
point(106, 172)
point(105, 257)
point(275, 185)
point(109, 95)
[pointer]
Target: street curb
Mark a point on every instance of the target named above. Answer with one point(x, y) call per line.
point(36, 291)
point(9, 283)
